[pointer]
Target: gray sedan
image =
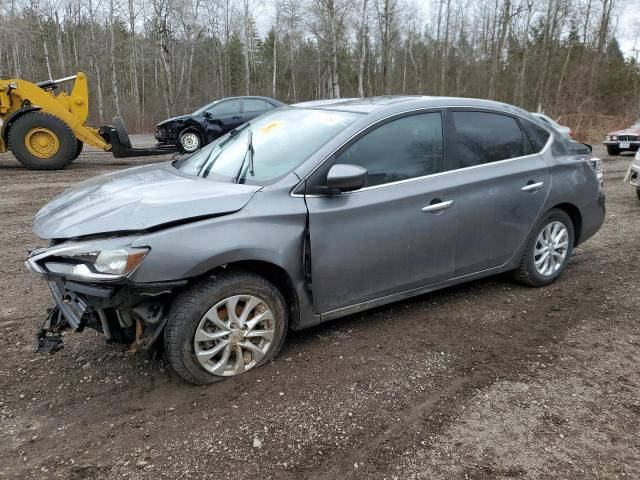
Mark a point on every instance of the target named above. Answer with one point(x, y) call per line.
point(310, 213)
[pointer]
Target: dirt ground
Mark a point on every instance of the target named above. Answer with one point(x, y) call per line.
point(485, 380)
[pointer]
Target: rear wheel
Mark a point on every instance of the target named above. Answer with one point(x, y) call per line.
point(41, 141)
point(548, 249)
point(613, 151)
point(225, 326)
point(189, 141)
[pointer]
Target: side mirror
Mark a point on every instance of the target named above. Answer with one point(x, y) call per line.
point(207, 114)
point(346, 178)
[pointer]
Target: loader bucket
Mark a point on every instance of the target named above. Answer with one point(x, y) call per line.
point(121, 146)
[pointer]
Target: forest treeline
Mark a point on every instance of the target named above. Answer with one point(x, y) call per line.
point(150, 59)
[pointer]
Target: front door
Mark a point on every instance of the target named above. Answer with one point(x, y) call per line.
point(393, 235)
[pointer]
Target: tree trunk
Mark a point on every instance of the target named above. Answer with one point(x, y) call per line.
point(445, 52)
point(95, 66)
point(135, 90)
point(363, 48)
point(60, 47)
point(335, 80)
point(274, 58)
point(45, 49)
point(114, 75)
point(497, 50)
point(247, 46)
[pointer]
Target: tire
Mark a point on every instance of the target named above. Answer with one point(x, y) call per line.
point(80, 146)
point(41, 141)
point(527, 272)
point(121, 130)
point(187, 317)
point(189, 141)
point(638, 193)
point(613, 151)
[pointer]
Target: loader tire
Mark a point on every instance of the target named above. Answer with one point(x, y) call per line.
point(121, 130)
point(41, 141)
point(78, 149)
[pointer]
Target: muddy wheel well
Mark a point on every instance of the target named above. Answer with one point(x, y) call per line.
point(276, 275)
point(576, 219)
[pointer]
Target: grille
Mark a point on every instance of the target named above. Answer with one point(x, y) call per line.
point(627, 138)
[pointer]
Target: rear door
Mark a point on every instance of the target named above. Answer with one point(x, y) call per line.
point(253, 107)
point(227, 114)
point(499, 184)
point(393, 235)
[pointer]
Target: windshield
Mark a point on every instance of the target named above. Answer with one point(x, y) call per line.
point(268, 147)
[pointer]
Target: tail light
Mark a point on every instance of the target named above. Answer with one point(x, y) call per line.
point(596, 164)
point(571, 133)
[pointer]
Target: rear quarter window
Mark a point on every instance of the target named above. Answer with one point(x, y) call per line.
point(538, 136)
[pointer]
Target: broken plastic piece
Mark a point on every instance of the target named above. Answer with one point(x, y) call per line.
point(49, 337)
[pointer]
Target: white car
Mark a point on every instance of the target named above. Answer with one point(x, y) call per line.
point(633, 174)
point(563, 129)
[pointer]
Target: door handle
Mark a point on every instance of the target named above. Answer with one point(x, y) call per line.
point(532, 187)
point(436, 207)
point(236, 117)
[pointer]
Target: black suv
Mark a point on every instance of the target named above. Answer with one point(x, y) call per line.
point(191, 132)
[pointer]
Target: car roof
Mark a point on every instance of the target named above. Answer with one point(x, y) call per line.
point(248, 97)
point(405, 102)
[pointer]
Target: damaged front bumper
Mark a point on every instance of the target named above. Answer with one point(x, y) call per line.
point(127, 313)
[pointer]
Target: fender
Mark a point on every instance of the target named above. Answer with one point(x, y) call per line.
point(6, 126)
point(195, 127)
point(213, 131)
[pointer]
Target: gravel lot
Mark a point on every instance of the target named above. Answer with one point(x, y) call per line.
point(485, 380)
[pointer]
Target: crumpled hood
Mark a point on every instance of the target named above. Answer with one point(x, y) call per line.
point(137, 199)
point(172, 120)
point(626, 131)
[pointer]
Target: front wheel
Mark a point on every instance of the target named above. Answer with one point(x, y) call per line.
point(41, 141)
point(547, 250)
point(79, 148)
point(613, 151)
point(224, 326)
point(189, 142)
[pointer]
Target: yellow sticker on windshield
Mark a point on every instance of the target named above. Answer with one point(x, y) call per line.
point(271, 126)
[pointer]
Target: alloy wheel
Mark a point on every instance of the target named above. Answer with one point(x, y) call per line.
point(234, 335)
point(190, 142)
point(551, 248)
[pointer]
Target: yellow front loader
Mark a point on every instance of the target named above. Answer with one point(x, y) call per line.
point(46, 131)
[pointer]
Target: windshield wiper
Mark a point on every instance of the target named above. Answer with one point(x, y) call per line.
point(250, 152)
point(234, 132)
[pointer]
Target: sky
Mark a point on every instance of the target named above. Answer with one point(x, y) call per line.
point(628, 31)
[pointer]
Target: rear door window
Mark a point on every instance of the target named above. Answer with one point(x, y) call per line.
point(254, 105)
point(483, 137)
point(227, 107)
point(405, 148)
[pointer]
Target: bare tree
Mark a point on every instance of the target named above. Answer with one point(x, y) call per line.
point(148, 59)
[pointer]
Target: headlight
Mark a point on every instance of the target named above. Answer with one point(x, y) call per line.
point(614, 137)
point(607, 137)
point(83, 262)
